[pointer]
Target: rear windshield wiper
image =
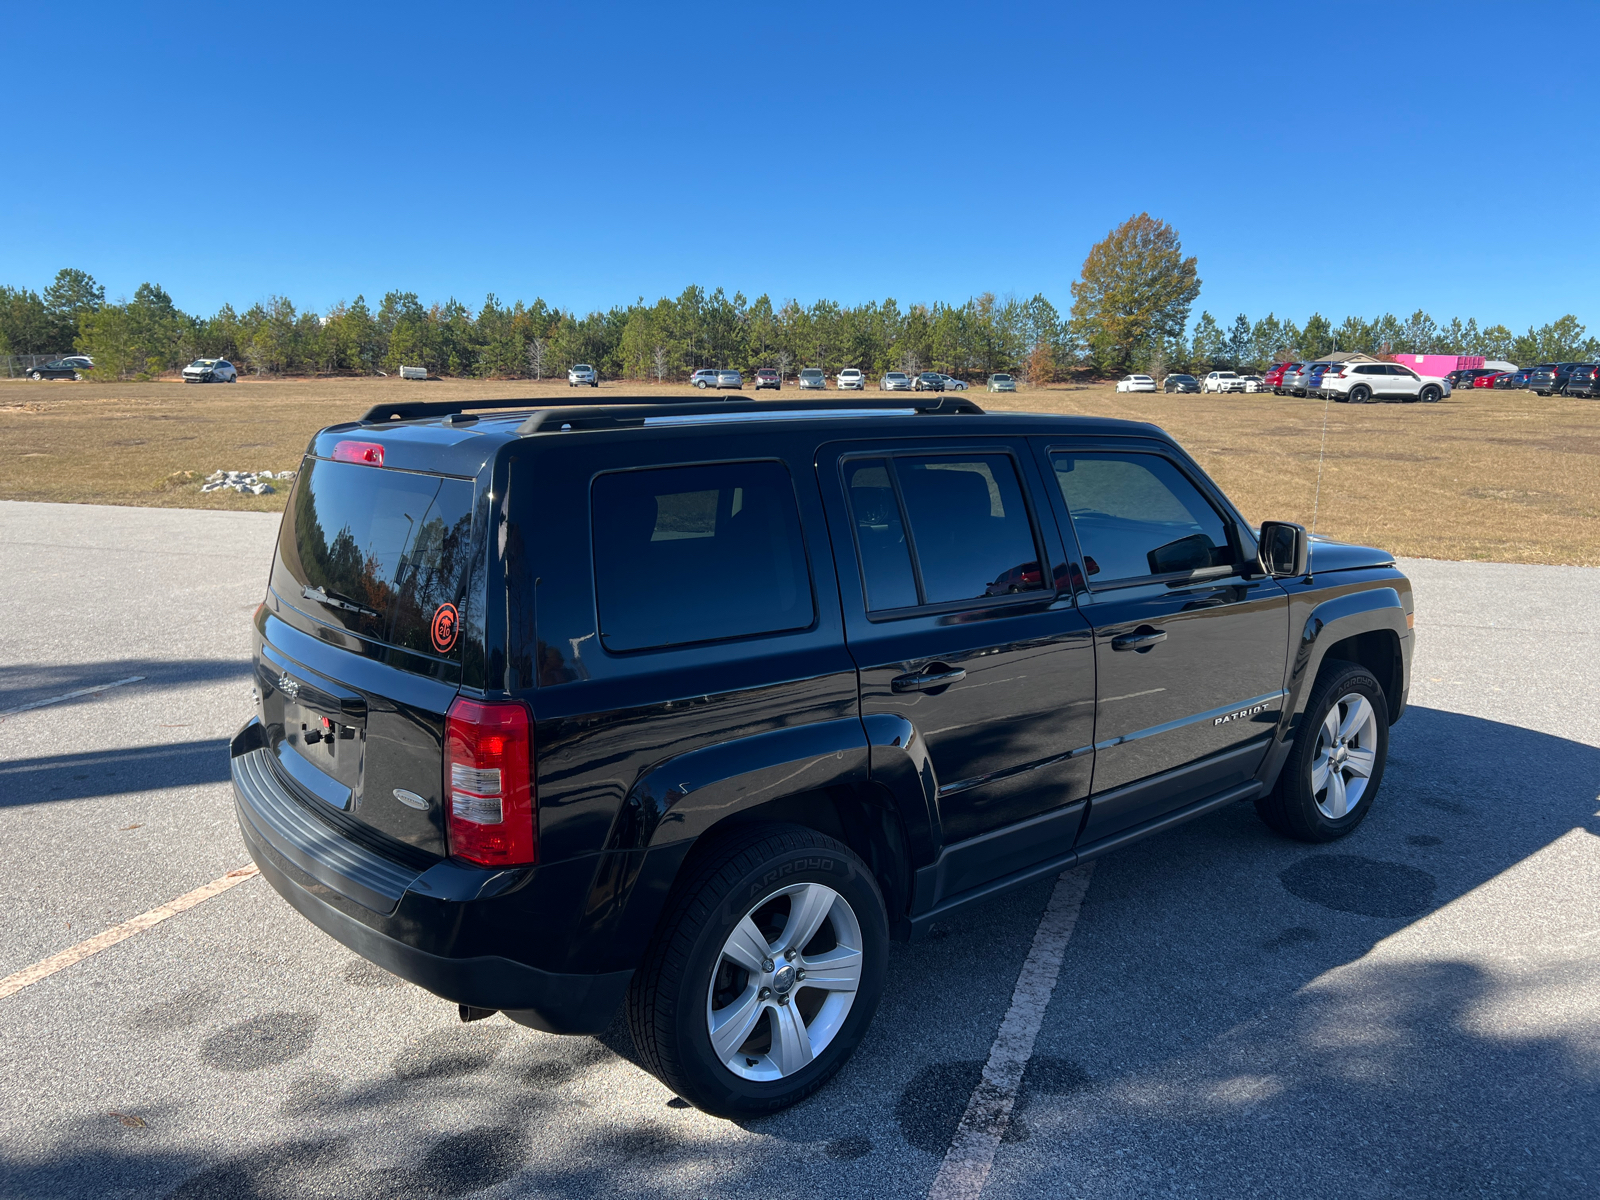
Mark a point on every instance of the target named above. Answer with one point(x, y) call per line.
point(335, 600)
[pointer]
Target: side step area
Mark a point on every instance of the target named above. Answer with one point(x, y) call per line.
point(1054, 866)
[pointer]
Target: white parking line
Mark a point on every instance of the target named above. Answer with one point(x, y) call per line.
point(71, 695)
point(12, 984)
point(966, 1164)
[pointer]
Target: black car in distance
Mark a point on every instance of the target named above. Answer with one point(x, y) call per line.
point(72, 366)
point(690, 709)
point(1584, 380)
point(1550, 379)
point(1180, 383)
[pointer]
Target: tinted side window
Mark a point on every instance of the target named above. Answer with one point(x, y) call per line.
point(880, 535)
point(971, 532)
point(1137, 515)
point(698, 554)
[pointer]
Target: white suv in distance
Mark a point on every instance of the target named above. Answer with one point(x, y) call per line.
point(1359, 382)
point(851, 380)
point(1223, 381)
point(209, 370)
point(1136, 383)
point(582, 375)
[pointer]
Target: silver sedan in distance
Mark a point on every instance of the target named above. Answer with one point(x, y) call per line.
point(894, 381)
point(1002, 383)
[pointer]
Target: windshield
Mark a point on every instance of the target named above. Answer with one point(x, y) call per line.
point(203, 362)
point(1002, 378)
point(583, 367)
point(895, 375)
point(811, 373)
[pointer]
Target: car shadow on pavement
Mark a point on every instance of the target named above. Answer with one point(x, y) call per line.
point(29, 683)
point(1237, 1015)
point(25, 781)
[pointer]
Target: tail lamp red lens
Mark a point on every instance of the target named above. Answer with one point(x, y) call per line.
point(490, 804)
point(369, 453)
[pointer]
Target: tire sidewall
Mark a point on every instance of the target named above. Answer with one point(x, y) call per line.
point(717, 1089)
point(1309, 822)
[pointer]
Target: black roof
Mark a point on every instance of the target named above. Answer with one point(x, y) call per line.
point(451, 438)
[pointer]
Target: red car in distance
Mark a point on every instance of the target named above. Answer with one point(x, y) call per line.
point(1487, 381)
point(1274, 378)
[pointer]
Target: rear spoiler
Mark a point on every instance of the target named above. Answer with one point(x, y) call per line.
point(636, 408)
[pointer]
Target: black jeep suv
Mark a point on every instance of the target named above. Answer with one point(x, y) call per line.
point(689, 709)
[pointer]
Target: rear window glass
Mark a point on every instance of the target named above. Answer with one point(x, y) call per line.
point(968, 528)
point(390, 546)
point(698, 554)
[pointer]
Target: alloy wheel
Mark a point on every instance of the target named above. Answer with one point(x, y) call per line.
point(1345, 757)
point(784, 982)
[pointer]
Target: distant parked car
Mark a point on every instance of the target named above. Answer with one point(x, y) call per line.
point(1274, 377)
point(766, 377)
point(928, 381)
point(851, 380)
point(1584, 380)
point(1180, 383)
point(210, 370)
point(894, 381)
point(1361, 382)
point(1492, 379)
point(1510, 380)
point(1468, 376)
point(1314, 374)
point(705, 377)
point(729, 378)
point(1519, 378)
point(1253, 383)
point(1136, 383)
point(60, 368)
point(1222, 381)
point(1550, 379)
point(583, 375)
point(952, 384)
point(812, 379)
point(1002, 383)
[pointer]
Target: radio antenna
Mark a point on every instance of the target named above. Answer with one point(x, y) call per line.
point(1316, 498)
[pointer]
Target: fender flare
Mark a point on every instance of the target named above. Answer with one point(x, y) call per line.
point(1332, 621)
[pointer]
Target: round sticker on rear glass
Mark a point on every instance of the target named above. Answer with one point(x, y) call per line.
point(444, 628)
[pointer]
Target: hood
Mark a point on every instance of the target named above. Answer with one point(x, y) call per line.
point(1329, 555)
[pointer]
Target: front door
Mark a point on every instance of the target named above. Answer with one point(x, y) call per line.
point(953, 617)
point(1191, 639)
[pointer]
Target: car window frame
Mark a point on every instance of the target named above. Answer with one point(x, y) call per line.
point(673, 647)
point(1048, 589)
point(1240, 538)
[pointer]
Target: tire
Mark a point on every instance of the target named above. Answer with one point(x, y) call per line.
point(1347, 695)
point(38, 376)
point(701, 384)
point(233, 379)
point(688, 968)
point(77, 376)
point(1430, 395)
point(1360, 395)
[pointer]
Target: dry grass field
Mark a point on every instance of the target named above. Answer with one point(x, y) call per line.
point(1499, 476)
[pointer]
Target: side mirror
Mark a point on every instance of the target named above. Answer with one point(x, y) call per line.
point(1285, 549)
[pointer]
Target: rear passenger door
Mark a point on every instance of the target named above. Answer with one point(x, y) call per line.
point(952, 615)
point(1191, 639)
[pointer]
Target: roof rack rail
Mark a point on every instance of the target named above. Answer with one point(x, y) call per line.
point(642, 410)
point(414, 410)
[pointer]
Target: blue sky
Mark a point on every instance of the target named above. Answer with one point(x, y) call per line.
point(1342, 158)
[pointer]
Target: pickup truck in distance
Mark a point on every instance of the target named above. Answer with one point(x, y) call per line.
point(784, 682)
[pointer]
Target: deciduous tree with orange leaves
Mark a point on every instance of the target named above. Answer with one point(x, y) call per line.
point(1136, 286)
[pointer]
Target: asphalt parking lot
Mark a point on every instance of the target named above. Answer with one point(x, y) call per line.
point(1414, 1011)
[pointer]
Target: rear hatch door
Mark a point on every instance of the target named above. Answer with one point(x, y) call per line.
point(359, 646)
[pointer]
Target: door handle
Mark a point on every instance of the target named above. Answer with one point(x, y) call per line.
point(1139, 641)
point(929, 679)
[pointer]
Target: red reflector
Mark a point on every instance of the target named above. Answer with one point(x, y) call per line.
point(370, 453)
point(490, 805)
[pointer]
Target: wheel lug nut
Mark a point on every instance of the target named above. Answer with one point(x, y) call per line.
point(789, 953)
point(799, 975)
point(766, 964)
point(763, 993)
point(783, 999)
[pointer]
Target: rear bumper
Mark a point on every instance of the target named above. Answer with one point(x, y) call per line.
point(427, 926)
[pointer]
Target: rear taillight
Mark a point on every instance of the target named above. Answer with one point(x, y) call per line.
point(488, 784)
point(370, 453)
